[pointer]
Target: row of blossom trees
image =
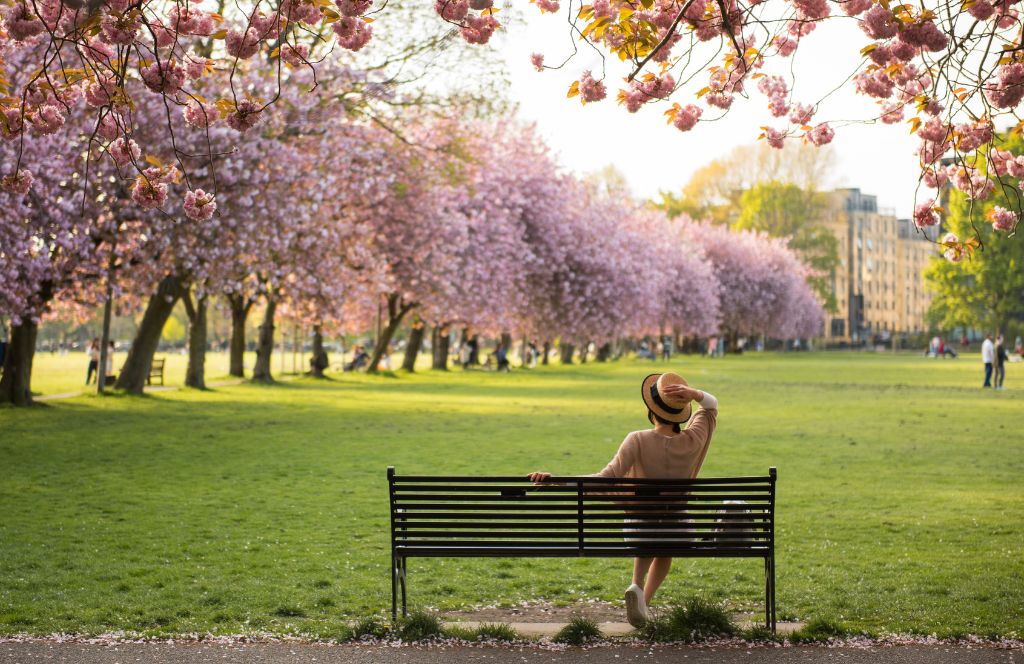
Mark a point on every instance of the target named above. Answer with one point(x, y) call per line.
point(469, 226)
point(328, 220)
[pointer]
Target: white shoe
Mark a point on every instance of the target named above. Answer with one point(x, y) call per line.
point(636, 609)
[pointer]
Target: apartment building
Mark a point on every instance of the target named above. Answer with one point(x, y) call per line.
point(878, 284)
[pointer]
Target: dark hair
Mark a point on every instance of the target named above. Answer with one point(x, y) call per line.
point(657, 419)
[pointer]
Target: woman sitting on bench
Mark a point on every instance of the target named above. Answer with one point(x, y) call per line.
point(666, 451)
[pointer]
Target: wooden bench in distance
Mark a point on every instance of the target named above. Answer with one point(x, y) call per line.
point(156, 370)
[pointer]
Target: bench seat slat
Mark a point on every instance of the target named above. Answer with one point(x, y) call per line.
point(566, 551)
point(417, 516)
point(400, 480)
point(571, 490)
point(573, 498)
point(598, 506)
point(511, 527)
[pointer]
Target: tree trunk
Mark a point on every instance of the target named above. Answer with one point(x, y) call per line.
point(506, 341)
point(604, 353)
point(239, 315)
point(195, 373)
point(396, 312)
point(265, 345)
point(567, 351)
point(319, 361)
point(547, 351)
point(412, 349)
point(439, 342)
point(16, 383)
point(140, 356)
point(584, 352)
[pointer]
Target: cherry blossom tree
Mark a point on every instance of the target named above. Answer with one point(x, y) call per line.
point(763, 284)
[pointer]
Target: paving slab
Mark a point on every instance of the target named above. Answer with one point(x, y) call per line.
point(48, 652)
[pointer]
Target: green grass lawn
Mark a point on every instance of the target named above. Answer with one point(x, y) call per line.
point(265, 508)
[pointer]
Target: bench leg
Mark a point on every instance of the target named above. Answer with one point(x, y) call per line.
point(769, 593)
point(773, 592)
point(394, 589)
point(401, 578)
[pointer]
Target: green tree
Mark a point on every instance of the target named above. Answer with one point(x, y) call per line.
point(786, 210)
point(985, 290)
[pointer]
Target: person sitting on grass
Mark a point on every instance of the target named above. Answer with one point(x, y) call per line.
point(667, 451)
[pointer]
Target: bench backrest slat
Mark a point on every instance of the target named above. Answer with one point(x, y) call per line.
point(460, 515)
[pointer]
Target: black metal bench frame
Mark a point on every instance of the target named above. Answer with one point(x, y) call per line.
point(509, 517)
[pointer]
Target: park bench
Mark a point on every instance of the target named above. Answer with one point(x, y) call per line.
point(156, 370)
point(581, 517)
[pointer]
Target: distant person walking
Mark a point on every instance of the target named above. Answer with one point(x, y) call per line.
point(1001, 356)
point(666, 348)
point(94, 360)
point(988, 353)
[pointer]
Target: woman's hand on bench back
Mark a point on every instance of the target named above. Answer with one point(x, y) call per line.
point(539, 477)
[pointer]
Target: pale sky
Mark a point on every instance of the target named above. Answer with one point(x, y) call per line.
point(654, 156)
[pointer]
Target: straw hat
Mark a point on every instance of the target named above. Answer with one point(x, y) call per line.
point(669, 408)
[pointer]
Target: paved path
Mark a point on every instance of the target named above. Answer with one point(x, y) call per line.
point(283, 653)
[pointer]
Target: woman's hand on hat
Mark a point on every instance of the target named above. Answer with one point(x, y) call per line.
point(539, 477)
point(684, 392)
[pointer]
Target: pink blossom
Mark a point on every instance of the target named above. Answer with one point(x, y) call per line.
point(124, 151)
point(821, 134)
point(195, 66)
point(855, 7)
point(537, 60)
point(352, 33)
point(21, 22)
point(107, 127)
point(19, 183)
point(267, 27)
point(47, 120)
point(879, 23)
point(164, 77)
point(148, 194)
point(191, 21)
point(972, 182)
point(1008, 90)
point(478, 29)
point(954, 251)
point(120, 28)
point(981, 10)
point(935, 178)
point(892, 113)
point(969, 137)
point(550, 6)
point(718, 100)
point(11, 123)
point(242, 45)
point(801, 114)
point(686, 117)
point(100, 92)
point(1002, 219)
point(785, 45)
point(353, 7)
point(934, 130)
point(452, 10)
point(874, 84)
point(925, 214)
point(775, 138)
point(245, 116)
point(295, 55)
point(591, 90)
point(200, 115)
point(199, 205)
point(481, 5)
point(925, 34)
